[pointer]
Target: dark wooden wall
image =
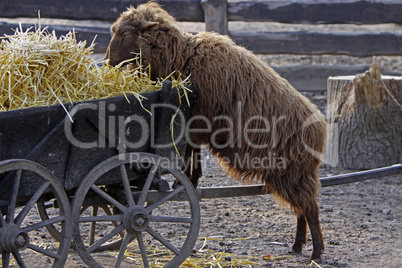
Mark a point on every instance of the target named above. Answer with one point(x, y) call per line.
point(217, 13)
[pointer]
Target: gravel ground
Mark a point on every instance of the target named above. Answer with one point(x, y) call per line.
point(361, 224)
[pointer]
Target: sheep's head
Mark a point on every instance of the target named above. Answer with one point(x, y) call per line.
point(135, 30)
point(124, 43)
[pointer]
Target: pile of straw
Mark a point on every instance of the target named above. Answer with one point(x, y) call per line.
point(39, 69)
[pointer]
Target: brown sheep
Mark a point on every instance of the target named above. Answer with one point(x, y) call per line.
point(254, 114)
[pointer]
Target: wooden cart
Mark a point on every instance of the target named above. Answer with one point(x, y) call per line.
point(89, 174)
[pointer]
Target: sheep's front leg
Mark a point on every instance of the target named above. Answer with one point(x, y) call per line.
point(196, 172)
point(192, 165)
point(188, 160)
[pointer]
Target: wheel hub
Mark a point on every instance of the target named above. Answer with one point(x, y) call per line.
point(12, 238)
point(136, 219)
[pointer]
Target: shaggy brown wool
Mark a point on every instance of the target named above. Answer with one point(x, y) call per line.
point(261, 127)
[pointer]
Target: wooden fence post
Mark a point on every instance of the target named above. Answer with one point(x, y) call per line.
point(215, 12)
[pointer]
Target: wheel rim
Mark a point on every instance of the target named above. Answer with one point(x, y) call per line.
point(17, 233)
point(137, 218)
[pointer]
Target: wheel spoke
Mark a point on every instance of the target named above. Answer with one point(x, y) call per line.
point(143, 250)
point(19, 260)
point(169, 219)
point(164, 198)
point(164, 242)
point(145, 189)
point(31, 203)
point(44, 223)
point(44, 251)
point(113, 218)
point(107, 197)
point(93, 225)
point(126, 184)
point(13, 197)
point(123, 247)
point(5, 259)
point(115, 231)
point(106, 209)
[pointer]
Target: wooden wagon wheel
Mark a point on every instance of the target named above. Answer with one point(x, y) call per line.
point(172, 226)
point(17, 233)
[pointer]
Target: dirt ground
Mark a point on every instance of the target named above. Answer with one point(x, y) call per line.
point(361, 222)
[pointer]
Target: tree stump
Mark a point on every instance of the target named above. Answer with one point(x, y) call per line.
point(364, 120)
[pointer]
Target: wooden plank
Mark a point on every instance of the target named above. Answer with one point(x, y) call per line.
point(109, 10)
point(302, 11)
point(87, 34)
point(308, 77)
point(318, 43)
point(361, 175)
point(318, 11)
point(301, 43)
point(231, 191)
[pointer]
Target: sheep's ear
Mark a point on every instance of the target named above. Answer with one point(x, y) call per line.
point(146, 25)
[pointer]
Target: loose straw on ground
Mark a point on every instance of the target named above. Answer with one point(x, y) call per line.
point(201, 258)
point(158, 257)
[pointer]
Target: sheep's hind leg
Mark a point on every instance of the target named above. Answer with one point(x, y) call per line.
point(316, 235)
point(188, 163)
point(301, 234)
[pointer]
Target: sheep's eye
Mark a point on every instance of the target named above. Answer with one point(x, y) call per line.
point(126, 35)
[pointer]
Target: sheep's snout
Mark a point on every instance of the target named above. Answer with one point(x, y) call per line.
point(114, 56)
point(112, 61)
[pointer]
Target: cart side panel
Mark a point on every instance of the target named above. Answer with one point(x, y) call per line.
point(105, 129)
point(114, 126)
point(34, 134)
point(101, 129)
point(23, 130)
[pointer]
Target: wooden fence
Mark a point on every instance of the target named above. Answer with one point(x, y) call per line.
point(217, 13)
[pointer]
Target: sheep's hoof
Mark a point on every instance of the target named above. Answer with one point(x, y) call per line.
point(315, 255)
point(297, 247)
